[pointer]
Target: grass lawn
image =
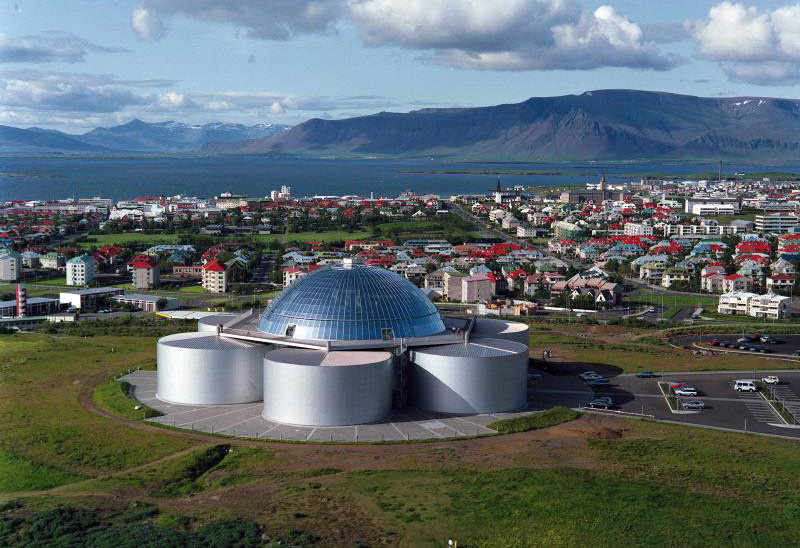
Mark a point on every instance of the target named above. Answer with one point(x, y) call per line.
point(52, 429)
point(332, 236)
point(633, 350)
point(192, 289)
point(127, 238)
point(594, 481)
point(674, 303)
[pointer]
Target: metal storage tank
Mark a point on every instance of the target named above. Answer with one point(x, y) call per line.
point(204, 369)
point(482, 376)
point(318, 388)
point(501, 329)
point(490, 328)
point(209, 324)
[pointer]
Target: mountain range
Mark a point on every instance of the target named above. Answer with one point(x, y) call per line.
point(134, 136)
point(596, 125)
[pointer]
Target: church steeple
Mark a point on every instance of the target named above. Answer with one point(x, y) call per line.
point(498, 189)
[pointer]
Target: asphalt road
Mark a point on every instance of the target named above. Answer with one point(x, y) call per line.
point(726, 408)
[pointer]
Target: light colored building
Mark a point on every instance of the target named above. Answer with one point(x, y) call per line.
point(10, 265)
point(713, 209)
point(638, 229)
point(291, 274)
point(145, 275)
point(735, 303)
point(215, 277)
point(736, 282)
point(776, 223)
point(451, 286)
point(476, 288)
point(80, 270)
point(712, 282)
point(769, 306)
point(52, 260)
point(780, 282)
point(88, 298)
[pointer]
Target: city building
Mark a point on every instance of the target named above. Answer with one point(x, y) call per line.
point(52, 260)
point(80, 270)
point(215, 277)
point(10, 265)
point(88, 299)
point(145, 274)
point(769, 306)
point(776, 223)
point(148, 303)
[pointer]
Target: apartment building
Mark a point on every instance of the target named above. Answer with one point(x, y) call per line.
point(80, 270)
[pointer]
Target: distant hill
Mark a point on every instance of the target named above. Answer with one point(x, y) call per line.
point(34, 139)
point(596, 125)
point(135, 136)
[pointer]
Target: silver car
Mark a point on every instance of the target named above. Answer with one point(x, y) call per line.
point(693, 404)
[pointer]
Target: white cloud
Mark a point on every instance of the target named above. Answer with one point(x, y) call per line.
point(48, 47)
point(147, 24)
point(263, 19)
point(277, 108)
point(753, 46)
point(479, 34)
point(509, 34)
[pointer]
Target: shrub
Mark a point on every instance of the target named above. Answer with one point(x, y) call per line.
point(535, 421)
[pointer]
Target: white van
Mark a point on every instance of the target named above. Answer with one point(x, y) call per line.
point(746, 385)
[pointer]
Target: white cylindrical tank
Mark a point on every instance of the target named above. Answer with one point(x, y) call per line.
point(491, 328)
point(488, 328)
point(318, 388)
point(209, 324)
point(482, 376)
point(204, 369)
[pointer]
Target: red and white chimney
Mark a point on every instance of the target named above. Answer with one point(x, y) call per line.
point(22, 301)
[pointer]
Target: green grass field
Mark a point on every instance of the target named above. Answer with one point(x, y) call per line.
point(674, 303)
point(53, 429)
point(594, 481)
point(127, 238)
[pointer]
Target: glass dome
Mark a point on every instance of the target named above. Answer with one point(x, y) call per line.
point(355, 302)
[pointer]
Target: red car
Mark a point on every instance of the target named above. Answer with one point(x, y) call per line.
point(714, 342)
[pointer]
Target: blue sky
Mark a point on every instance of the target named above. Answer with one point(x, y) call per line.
point(76, 64)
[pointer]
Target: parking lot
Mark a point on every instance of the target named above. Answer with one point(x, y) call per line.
point(788, 346)
point(725, 408)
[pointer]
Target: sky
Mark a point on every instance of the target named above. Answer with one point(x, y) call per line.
point(73, 65)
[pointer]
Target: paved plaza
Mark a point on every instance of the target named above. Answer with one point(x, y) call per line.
point(245, 420)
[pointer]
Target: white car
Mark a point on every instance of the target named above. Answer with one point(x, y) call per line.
point(685, 391)
point(771, 379)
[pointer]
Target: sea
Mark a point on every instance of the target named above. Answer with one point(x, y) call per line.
point(123, 177)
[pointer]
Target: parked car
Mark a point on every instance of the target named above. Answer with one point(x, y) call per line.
point(770, 379)
point(714, 342)
point(745, 385)
point(589, 375)
point(693, 404)
point(675, 385)
point(685, 391)
point(598, 382)
point(645, 374)
point(604, 402)
point(797, 352)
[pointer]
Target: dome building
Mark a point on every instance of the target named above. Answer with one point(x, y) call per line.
point(351, 302)
point(346, 344)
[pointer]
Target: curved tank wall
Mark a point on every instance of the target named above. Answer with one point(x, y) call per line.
point(317, 388)
point(204, 369)
point(489, 328)
point(483, 376)
point(209, 324)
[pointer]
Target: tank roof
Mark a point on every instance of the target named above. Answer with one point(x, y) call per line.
point(299, 356)
point(476, 348)
point(206, 341)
